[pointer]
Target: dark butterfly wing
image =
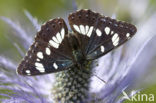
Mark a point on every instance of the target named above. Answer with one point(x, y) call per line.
point(50, 52)
point(82, 23)
point(98, 34)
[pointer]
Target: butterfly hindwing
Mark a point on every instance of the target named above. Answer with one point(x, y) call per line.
point(50, 52)
point(105, 33)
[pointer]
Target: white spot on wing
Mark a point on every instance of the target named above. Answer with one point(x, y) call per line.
point(38, 64)
point(40, 55)
point(76, 28)
point(107, 30)
point(55, 40)
point(82, 29)
point(48, 52)
point(55, 66)
point(42, 70)
point(58, 35)
point(40, 67)
point(98, 32)
point(27, 71)
point(38, 59)
point(128, 35)
point(102, 49)
point(52, 43)
point(115, 39)
point(112, 32)
point(62, 33)
point(87, 28)
point(90, 31)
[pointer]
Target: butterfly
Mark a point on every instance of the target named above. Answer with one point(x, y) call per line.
point(56, 49)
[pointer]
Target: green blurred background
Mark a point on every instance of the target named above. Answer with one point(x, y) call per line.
point(44, 10)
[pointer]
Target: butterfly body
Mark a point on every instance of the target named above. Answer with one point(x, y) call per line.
point(54, 49)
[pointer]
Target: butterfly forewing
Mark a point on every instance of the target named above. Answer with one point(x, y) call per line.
point(83, 23)
point(109, 35)
point(50, 52)
point(106, 33)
